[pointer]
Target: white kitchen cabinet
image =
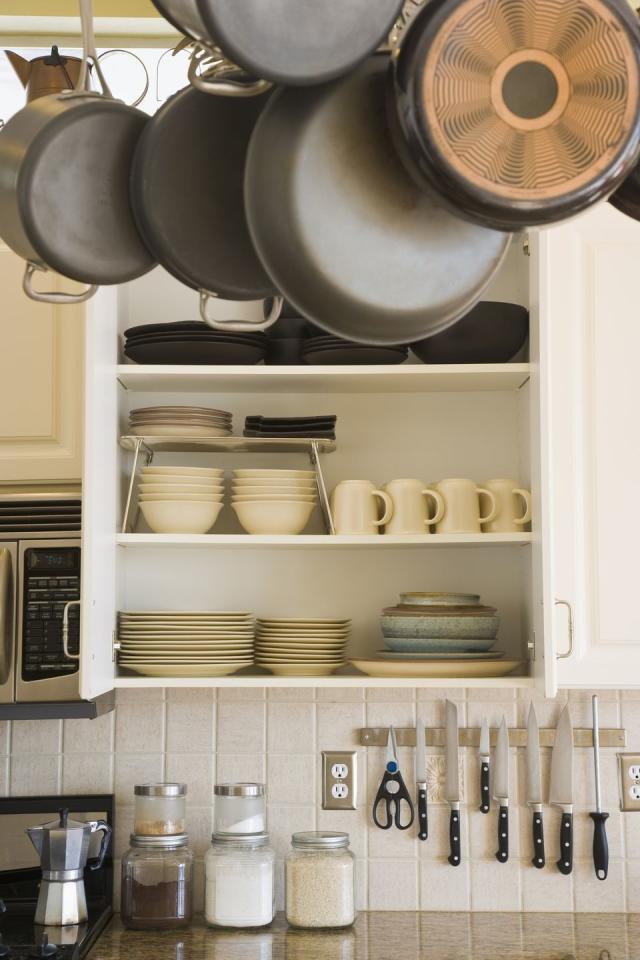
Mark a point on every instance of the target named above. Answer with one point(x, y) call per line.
point(41, 377)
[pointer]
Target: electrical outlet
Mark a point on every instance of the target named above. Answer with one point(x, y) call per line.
point(629, 768)
point(339, 781)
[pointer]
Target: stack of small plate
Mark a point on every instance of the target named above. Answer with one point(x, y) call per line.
point(273, 501)
point(185, 644)
point(192, 342)
point(293, 647)
point(332, 350)
point(181, 499)
point(180, 422)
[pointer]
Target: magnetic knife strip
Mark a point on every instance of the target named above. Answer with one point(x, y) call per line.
point(470, 736)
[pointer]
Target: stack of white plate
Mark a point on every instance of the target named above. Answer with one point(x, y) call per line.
point(181, 499)
point(273, 501)
point(301, 647)
point(180, 422)
point(177, 644)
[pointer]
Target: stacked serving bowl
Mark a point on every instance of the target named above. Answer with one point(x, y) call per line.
point(181, 499)
point(439, 623)
point(301, 646)
point(273, 501)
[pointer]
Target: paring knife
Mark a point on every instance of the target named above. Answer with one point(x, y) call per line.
point(452, 788)
point(484, 753)
point(534, 788)
point(501, 790)
point(421, 781)
point(600, 843)
point(561, 787)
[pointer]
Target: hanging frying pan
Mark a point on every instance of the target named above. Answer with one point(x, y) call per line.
point(291, 42)
point(346, 235)
point(519, 112)
point(64, 185)
point(187, 196)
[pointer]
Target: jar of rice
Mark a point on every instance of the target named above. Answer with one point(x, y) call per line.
point(320, 880)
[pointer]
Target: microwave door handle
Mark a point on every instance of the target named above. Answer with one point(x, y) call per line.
point(65, 630)
point(6, 615)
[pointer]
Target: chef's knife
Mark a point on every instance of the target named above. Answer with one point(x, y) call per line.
point(452, 787)
point(501, 790)
point(421, 781)
point(561, 787)
point(534, 787)
point(600, 843)
point(485, 759)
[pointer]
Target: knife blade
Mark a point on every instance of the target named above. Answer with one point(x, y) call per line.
point(561, 787)
point(452, 782)
point(501, 790)
point(600, 842)
point(534, 787)
point(484, 752)
point(421, 780)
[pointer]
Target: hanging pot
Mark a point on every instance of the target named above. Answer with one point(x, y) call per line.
point(64, 176)
point(521, 112)
point(341, 228)
point(187, 196)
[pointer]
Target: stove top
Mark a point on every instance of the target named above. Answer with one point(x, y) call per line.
point(20, 938)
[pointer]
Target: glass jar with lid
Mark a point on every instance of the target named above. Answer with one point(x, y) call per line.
point(159, 809)
point(157, 883)
point(239, 881)
point(320, 880)
point(239, 808)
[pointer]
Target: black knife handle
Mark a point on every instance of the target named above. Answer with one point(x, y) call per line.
point(600, 845)
point(565, 863)
point(485, 797)
point(423, 823)
point(503, 835)
point(537, 827)
point(454, 838)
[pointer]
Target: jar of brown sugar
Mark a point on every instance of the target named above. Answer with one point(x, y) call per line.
point(157, 883)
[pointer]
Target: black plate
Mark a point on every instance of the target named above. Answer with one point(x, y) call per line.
point(204, 352)
point(353, 355)
point(305, 434)
point(490, 333)
point(248, 339)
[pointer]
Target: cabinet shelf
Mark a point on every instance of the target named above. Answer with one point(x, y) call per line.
point(228, 444)
point(322, 541)
point(401, 378)
point(336, 682)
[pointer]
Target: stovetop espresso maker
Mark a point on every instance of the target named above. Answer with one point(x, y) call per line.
point(63, 848)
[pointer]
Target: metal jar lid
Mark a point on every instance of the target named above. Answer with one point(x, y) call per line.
point(160, 789)
point(320, 840)
point(238, 790)
point(240, 839)
point(160, 842)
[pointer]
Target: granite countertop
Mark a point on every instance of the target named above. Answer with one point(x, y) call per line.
point(392, 936)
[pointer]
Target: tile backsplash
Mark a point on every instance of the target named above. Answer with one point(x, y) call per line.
point(201, 736)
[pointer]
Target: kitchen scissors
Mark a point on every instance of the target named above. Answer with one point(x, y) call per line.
point(392, 791)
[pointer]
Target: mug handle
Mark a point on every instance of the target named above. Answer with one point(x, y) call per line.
point(526, 496)
point(388, 507)
point(494, 506)
point(439, 502)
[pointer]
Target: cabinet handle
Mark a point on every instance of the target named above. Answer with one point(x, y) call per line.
point(65, 630)
point(565, 603)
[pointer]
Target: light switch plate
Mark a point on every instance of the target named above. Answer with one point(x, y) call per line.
point(339, 779)
point(629, 768)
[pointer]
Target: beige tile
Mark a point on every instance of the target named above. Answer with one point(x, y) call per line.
point(5, 737)
point(34, 775)
point(630, 694)
point(189, 694)
point(291, 779)
point(285, 819)
point(603, 694)
point(353, 822)
point(199, 828)
point(392, 844)
point(631, 826)
point(132, 769)
point(384, 714)
point(390, 695)
point(290, 727)
point(241, 768)
point(117, 880)
point(233, 694)
point(140, 695)
point(594, 896)
point(495, 886)
point(4, 776)
point(241, 727)
point(338, 694)
point(139, 728)
point(491, 694)
point(190, 726)
point(584, 787)
point(362, 892)
point(545, 769)
point(338, 725)
point(393, 885)
point(36, 736)
point(291, 693)
point(89, 736)
point(87, 773)
point(493, 710)
point(630, 720)
point(633, 886)
point(279, 885)
point(124, 829)
point(546, 890)
point(196, 770)
point(547, 712)
point(582, 716)
point(441, 693)
point(443, 887)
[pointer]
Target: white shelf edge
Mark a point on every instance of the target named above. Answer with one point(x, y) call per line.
point(323, 541)
point(338, 682)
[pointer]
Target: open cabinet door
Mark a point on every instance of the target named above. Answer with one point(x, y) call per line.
point(99, 522)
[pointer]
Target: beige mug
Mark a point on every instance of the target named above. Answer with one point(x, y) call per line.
point(509, 517)
point(462, 506)
point(410, 500)
point(354, 508)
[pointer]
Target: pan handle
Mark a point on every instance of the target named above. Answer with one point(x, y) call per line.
point(222, 78)
point(51, 296)
point(138, 100)
point(239, 326)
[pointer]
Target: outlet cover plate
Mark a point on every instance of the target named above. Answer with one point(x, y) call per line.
point(350, 759)
point(626, 761)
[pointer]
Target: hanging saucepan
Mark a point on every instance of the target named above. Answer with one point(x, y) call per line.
point(64, 177)
point(187, 197)
point(519, 112)
point(291, 42)
point(346, 235)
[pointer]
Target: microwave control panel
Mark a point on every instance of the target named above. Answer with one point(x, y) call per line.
point(51, 579)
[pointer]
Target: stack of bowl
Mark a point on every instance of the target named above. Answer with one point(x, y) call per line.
point(439, 623)
point(291, 646)
point(273, 501)
point(181, 499)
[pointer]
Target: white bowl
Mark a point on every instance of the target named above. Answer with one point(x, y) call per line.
point(168, 478)
point(181, 497)
point(187, 471)
point(275, 498)
point(171, 488)
point(274, 474)
point(273, 517)
point(171, 516)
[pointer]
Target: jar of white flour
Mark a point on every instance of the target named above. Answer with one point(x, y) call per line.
point(239, 881)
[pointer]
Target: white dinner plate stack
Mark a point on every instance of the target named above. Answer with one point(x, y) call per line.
point(185, 644)
point(301, 647)
point(273, 501)
point(180, 422)
point(181, 499)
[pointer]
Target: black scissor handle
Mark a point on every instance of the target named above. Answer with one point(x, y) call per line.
point(392, 799)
